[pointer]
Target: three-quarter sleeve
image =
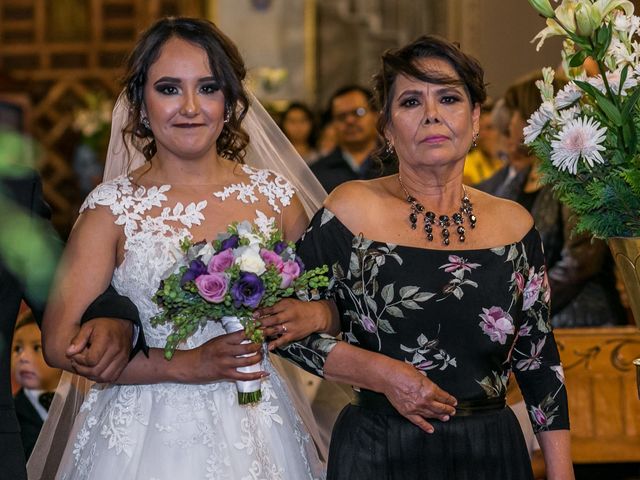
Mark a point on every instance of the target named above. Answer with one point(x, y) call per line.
point(325, 242)
point(535, 360)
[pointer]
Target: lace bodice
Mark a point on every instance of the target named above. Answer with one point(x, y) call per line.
point(153, 228)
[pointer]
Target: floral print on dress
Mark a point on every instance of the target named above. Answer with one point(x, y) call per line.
point(497, 324)
point(467, 318)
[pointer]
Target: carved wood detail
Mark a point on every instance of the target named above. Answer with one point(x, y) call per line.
point(603, 399)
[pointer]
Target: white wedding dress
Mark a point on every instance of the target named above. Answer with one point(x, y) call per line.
point(182, 431)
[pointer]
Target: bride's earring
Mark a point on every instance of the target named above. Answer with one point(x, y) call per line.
point(388, 148)
point(145, 123)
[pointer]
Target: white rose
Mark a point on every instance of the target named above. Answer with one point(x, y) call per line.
point(249, 260)
point(244, 228)
point(245, 231)
point(206, 253)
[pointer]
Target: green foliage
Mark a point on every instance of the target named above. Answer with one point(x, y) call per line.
point(186, 311)
point(604, 196)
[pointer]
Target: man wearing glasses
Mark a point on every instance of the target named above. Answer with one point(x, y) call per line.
point(355, 120)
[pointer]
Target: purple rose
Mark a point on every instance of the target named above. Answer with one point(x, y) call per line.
point(196, 268)
point(271, 258)
point(368, 324)
point(247, 291)
point(497, 324)
point(539, 416)
point(221, 261)
point(212, 287)
point(290, 271)
point(232, 242)
point(280, 247)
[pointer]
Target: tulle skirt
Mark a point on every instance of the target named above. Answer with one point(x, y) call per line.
point(171, 431)
point(369, 444)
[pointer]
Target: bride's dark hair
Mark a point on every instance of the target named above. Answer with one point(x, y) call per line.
point(226, 65)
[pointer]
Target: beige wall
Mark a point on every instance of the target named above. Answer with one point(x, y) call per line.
point(501, 31)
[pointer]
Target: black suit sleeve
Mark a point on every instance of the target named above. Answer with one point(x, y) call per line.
point(113, 305)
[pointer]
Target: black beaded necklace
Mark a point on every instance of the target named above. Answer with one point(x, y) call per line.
point(442, 221)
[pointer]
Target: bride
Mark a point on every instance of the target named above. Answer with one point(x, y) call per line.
point(179, 418)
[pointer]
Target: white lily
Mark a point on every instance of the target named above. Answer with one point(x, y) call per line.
point(552, 30)
point(605, 7)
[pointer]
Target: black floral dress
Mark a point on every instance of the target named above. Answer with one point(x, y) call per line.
point(466, 319)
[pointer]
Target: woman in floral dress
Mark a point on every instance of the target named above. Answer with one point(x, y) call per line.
point(441, 291)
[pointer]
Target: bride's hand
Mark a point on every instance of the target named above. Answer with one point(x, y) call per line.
point(219, 358)
point(290, 320)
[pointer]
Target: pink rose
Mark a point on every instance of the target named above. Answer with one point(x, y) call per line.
point(519, 281)
point(539, 416)
point(290, 271)
point(220, 261)
point(532, 289)
point(271, 258)
point(546, 296)
point(212, 287)
point(497, 324)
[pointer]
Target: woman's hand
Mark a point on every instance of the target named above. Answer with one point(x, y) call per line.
point(100, 350)
point(290, 320)
point(416, 397)
point(219, 358)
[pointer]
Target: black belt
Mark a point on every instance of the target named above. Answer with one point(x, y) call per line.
point(378, 402)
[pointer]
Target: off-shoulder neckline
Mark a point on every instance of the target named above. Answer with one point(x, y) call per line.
point(529, 233)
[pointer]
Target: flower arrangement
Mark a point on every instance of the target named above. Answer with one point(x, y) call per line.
point(586, 134)
point(94, 121)
point(246, 268)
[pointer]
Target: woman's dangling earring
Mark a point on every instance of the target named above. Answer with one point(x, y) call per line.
point(474, 141)
point(388, 148)
point(145, 123)
point(227, 115)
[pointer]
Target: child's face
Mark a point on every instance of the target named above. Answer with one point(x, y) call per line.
point(27, 362)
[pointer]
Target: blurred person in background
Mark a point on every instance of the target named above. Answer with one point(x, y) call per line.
point(299, 125)
point(326, 137)
point(354, 120)
point(484, 158)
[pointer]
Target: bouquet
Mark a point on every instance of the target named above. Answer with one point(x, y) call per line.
point(246, 268)
point(586, 134)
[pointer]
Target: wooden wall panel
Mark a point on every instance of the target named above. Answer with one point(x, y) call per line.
point(57, 67)
point(603, 395)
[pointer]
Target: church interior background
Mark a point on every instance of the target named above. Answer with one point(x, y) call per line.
point(62, 57)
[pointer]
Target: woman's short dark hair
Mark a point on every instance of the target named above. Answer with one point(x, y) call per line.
point(313, 134)
point(226, 65)
point(403, 61)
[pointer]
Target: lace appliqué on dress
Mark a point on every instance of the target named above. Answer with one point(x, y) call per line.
point(278, 190)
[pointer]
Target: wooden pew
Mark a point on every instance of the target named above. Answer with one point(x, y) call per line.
point(603, 394)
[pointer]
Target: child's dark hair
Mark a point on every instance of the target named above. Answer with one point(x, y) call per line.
point(25, 319)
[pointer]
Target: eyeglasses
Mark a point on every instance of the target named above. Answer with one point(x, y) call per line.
point(358, 113)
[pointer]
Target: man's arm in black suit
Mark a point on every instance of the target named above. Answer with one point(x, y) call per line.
point(113, 305)
point(107, 324)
